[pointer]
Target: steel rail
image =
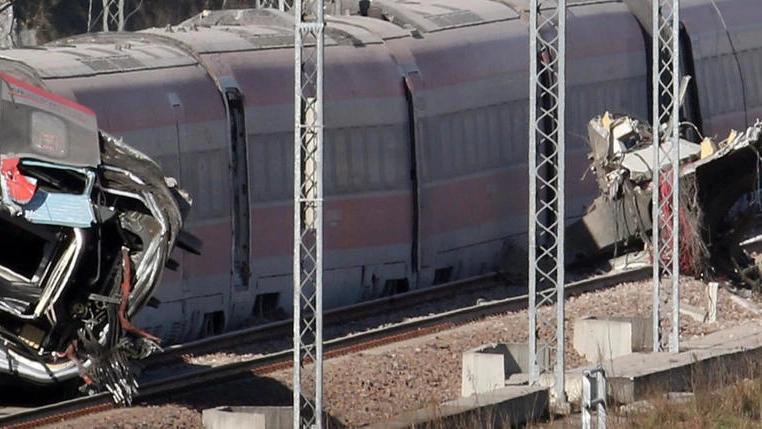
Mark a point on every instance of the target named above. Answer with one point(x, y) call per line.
point(282, 360)
point(339, 316)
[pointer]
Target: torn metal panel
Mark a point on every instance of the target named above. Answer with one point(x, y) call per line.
point(88, 225)
point(622, 146)
point(611, 226)
point(716, 182)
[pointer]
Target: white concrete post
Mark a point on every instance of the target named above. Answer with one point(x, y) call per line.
point(712, 289)
point(595, 377)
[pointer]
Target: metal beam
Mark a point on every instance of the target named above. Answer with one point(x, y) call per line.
point(308, 213)
point(547, 88)
point(275, 4)
point(113, 15)
point(665, 81)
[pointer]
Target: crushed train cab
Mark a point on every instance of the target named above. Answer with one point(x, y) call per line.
point(87, 224)
point(719, 191)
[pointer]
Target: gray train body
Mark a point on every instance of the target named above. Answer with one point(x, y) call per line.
point(426, 138)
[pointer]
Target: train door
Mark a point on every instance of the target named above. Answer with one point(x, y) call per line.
point(413, 92)
point(239, 178)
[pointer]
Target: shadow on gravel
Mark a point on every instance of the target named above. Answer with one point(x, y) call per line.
point(247, 391)
point(15, 394)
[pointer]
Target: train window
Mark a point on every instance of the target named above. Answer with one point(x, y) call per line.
point(49, 135)
point(458, 143)
point(357, 155)
point(263, 163)
point(504, 119)
point(581, 96)
point(361, 159)
point(422, 147)
point(392, 161)
point(205, 176)
point(272, 166)
point(519, 110)
point(278, 177)
point(730, 66)
point(281, 150)
point(751, 63)
point(372, 145)
point(495, 133)
point(372, 162)
point(443, 151)
point(513, 154)
point(258, 174)
point(482, 132)
point(716, 69)
point(329, 156)
point(337, 157)
point(705, 75)
point(471, 143)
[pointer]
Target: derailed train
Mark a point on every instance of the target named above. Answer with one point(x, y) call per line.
point(87, 226)
point(426, 113)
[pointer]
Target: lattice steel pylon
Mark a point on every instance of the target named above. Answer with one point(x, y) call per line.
point(665, 82)
point(275, 4)
point(113, 15)
point(547, 88)
point(308, 212)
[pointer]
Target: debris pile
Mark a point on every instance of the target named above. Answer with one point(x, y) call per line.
point(719, 185)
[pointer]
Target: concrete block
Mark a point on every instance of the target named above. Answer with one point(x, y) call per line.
point(486, 368)
point(517, 358)
point(247, 417)
point(510, 406)
point(712, 289)
point(483, 370)
point(572, 391)
point(603, 339)
point(695, 313)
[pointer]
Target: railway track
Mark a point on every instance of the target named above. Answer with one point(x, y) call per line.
point(194, 377)
point(340, 320)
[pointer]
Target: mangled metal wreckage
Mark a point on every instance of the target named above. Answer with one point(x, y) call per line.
point(719, 191)
point(86, 225)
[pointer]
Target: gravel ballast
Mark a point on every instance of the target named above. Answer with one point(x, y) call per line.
point(377, 384)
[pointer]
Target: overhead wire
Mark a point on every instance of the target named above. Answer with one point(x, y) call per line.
point(737, 61)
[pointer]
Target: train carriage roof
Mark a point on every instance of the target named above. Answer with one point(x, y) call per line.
point(253, 29)
point(256, 29)
point(433, 15)
point(101, 53)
